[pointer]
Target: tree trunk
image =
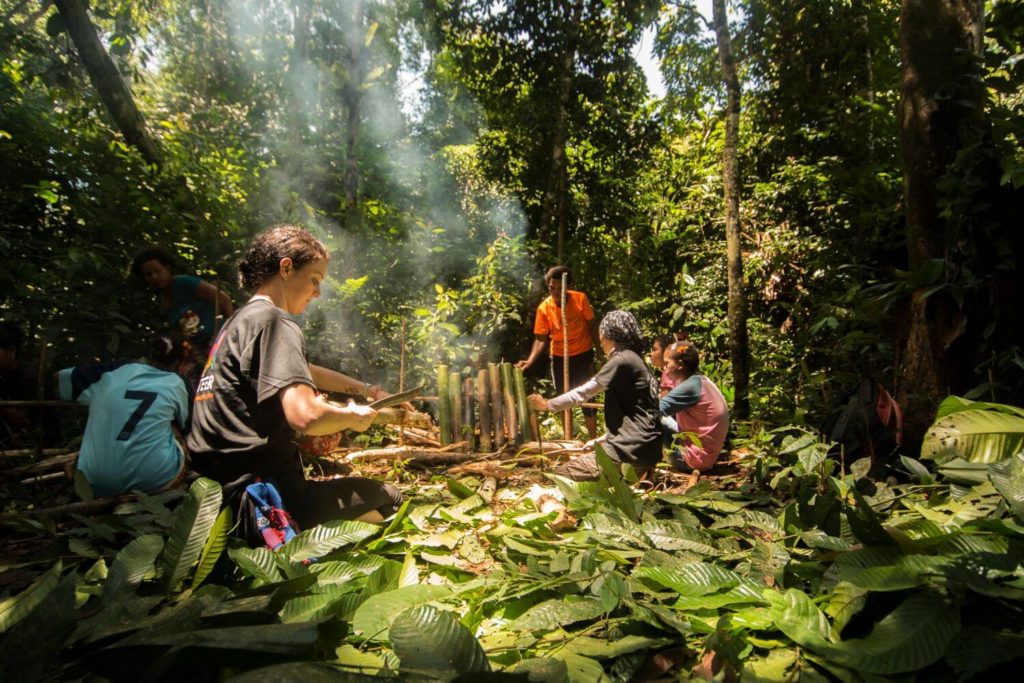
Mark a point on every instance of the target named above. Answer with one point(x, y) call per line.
point(298, 60)
point(737, 312)
point(354, 104)
point(553, 206)
point(935, 84)
point(112, 88)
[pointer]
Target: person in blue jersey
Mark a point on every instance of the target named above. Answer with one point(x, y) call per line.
point(190, 304)
point(258, 389)
point(137, 412)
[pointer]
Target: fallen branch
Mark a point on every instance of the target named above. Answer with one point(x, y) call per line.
point(44, 477)
point(57, 462)
point(22, 452)
point(82, 507)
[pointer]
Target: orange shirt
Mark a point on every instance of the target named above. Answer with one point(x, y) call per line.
point(578, 315)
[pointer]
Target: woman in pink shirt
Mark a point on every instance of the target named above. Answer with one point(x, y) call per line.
point(699, 409)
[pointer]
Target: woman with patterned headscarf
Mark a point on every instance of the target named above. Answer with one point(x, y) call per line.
point(630, 402)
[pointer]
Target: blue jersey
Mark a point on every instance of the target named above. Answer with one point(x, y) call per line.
point(128, 442)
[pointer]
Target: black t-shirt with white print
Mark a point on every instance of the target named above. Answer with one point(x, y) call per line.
point(238, 423)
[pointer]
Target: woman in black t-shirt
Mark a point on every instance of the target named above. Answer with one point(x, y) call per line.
point(257, 390)
point(630, 402)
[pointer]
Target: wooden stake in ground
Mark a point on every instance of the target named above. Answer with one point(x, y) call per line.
point(497, 405)
point(401, 360)
point(567, 415)
point(444, 415)
point(484, 409)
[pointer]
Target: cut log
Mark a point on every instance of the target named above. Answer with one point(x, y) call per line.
point(400, 416)
point(416, 437)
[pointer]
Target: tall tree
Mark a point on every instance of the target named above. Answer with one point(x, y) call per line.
point(940, 100)
point(739, 348)
point(111, 86)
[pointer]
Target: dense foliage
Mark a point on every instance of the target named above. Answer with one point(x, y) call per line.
point(448, 152)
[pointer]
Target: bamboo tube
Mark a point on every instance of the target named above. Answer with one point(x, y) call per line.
point(508, 396)
point(444, 415)
point(455, 404)
point(483, 402)
point(497, 404)
point(468, 429)
point(522, 406)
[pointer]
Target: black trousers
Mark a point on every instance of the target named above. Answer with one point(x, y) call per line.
point(308, 502)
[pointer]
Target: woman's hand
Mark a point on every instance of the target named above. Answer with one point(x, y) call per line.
point(308, 413)
point(537, 402)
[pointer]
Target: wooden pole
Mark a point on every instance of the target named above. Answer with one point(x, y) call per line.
point(468, 424)
point(567, 415)
point(455, 403)
point(497, 405)
point(508, 394)
point(444, 416)
point(522, 406)
point(401, 360)
point(483, 401)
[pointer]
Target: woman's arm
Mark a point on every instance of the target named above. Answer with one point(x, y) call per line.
point(309, 414)
point(570, 399)
point(332, 380)
point(208, 292)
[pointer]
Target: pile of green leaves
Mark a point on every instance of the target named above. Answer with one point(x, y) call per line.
point(800, 570)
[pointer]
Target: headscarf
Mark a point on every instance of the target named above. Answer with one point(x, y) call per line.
point(621, 327)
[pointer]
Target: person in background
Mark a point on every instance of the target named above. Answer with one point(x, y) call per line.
point(137, 415)
point(699, 408)
point(190, 304)
point(18, 379)
point(658, 346)
point(630, 402)
point(581, 330)
point(258, 389)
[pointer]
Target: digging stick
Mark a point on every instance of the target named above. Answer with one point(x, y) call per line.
point(567, 415)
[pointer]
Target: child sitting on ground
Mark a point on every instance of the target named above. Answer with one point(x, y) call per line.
point(130, 440)
point(699, 409)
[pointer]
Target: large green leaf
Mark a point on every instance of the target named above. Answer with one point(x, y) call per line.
point(1008, 478)
point(13, 610)
point(132, 564)
point(215, 545)
point(974, 435)
point(913, 636)
point(955, 404)
point(672, 535)
point(373, 618)
point(694, 578)
point(796, 615)
point(313, 607)
point(256, 562)
point(552, 614)
point(426, 638)
point(191, 528)
point(326, 537)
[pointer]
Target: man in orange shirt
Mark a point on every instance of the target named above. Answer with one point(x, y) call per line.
point(582, 334)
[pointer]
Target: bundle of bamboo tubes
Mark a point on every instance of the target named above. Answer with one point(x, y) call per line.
point(487, 409)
